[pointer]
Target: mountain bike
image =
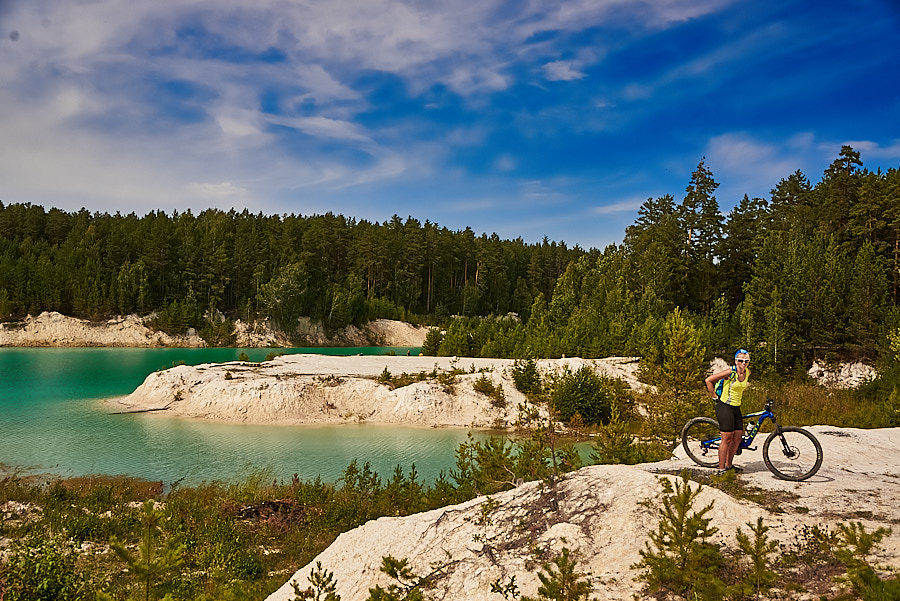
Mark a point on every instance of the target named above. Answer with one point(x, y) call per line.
point(789, 452)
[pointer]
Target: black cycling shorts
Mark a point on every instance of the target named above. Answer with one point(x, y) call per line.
point(729, 417)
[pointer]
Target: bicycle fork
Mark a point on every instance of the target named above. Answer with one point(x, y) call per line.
point(785, 448)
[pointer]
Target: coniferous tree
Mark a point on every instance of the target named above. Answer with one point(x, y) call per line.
point(701, 224)
point(680, 557)
point(737, 249)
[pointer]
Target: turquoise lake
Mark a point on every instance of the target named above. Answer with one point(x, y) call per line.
point(52, 421)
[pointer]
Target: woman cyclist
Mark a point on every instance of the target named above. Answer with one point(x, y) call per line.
point(728, 406)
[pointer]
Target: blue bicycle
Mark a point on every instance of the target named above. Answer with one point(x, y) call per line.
point(789, 452)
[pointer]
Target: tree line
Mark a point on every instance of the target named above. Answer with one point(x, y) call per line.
point(814, 266)
point(328, 267)
point(812, 270)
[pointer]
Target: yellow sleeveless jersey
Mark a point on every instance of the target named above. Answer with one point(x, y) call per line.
point(733, 390)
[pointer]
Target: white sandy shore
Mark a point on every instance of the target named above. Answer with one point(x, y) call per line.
point(52, 329)
point(316, 389)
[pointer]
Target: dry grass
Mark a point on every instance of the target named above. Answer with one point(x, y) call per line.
point(801, 404)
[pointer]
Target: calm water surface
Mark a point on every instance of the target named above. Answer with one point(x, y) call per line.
point(52, 421)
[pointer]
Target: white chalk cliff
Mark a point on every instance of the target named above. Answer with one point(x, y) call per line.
point(54, 329)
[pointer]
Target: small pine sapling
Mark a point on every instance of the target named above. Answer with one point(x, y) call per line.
point(614, 443)
point(853, 545)
point(408, 586)
point(681, 559)
point(323, 586)
point(151, 562)
point(758, 550)
point(560, 581)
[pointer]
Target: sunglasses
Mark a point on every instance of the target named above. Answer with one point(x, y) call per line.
point(743, 361)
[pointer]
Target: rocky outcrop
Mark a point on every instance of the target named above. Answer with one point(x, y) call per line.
point(55, 329)
point(845, 375)
point(304, 389)
point(604, 514)
point(380, 332)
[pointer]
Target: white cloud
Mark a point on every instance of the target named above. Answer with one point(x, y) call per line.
point(743, 164)
point(624, 206)
point(239, 123)
point(562, 71)
point(541, 191)
point(739, 155)
point(473, 79)
point(83, 119)
point(322, 127)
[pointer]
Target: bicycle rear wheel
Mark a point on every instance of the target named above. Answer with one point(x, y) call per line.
point(700, 438)
point(792, 453)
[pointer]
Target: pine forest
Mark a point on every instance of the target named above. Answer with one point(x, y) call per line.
point(813, 270)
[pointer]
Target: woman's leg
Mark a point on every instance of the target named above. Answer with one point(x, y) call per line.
point(732, 450)
point(728, 448)
point(730, 428)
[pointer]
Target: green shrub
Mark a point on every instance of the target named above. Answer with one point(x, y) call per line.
point(758, 550)
point(218, 333)
point(323, 586)
point(587, 394)
point(448, 379)
point(382, 308)
point(153, 561)
point(178, 317)
point(560, 581)
point(526, 377)
point(407, 585)
point(616, 444)
point(406, 379)
point(40, 567)
point(854, 544)
point(488, 466)
point(457, 342)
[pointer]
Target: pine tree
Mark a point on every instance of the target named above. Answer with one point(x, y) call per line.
point(679, 557)
point(152, 562)
point(758, 550)
point(701, 225)
point(560, 581)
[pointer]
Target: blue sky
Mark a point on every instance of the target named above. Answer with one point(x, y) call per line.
point(528, 118)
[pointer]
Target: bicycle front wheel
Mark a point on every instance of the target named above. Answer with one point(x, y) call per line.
point(700, 438)
point(792, 453)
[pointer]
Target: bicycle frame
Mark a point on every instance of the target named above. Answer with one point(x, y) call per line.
point(747, 439)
